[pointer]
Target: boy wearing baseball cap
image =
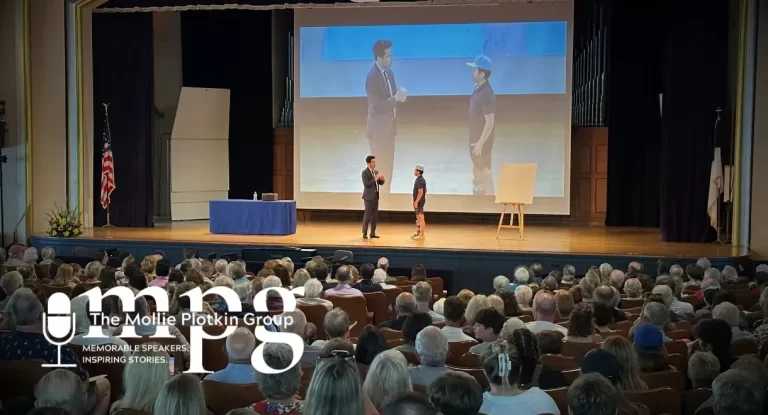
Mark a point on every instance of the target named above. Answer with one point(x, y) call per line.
point(482, 110)
point(419, 199)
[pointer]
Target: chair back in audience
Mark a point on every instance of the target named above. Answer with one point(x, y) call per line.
point(377, 304)
point(42, 271)
point(570, 376)
point(394, 337)
point(315, 314)
point(627, 303)
point(622, 326)
point(693, 399)
point(678, 334)
point(458, 349)
point(224, 397)
point(577, 350)
point(214, 351)
point(112, 369)
point(437, 288)
point(355, 308)
point(559, 362)
point(744, 346)
point(677, 346)
point(391, 294)
point(560, 396)
point(49, 290)
point(671, 378)
point(470, 360)
point(123, 411)
point(411, 357)
point(178, 357)
point(402, 280)
point(476, 373)
point(659, 401)
point(20, 377)
point(679, 362)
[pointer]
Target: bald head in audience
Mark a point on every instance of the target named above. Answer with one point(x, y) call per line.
point(617, 278)
point(604, 295)
point(405, 303)
point(545, 307)
point(497, 303)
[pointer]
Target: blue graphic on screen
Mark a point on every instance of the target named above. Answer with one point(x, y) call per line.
point(528, 57)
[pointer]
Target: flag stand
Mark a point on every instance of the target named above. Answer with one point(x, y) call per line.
point(108, 224)
point(720, 191)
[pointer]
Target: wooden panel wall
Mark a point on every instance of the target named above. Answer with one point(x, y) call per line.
point(282, 172)
point(589, 175)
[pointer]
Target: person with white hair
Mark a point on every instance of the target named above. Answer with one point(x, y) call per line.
point(280, 390)
point(422, 292)
point(312, 291)
point(617, 278)
point(298, 326)
point(497, 303)
point(61, 389)
point(524, 295)
point(730, 314)
point(729, 275)
point(657, 315)
point(387, 378)
point(337, 325)
point(221, 267)
point(274, 299)
point(343, 288)
point(633, 288)
point(300, 277)
point(569, 275)
point(737, 392)
point(405, 304)
point(383, 263)
point(522, 276)
point(141, 310)
point(432, 349)
point(79, 307)
point(704, 263)
point(500, 282)
point(182, 394)
point(239, 371)
point(236, 270)
point(30, 255)
point(605, 271)
point(48, 255)
point(143, 377)
point(9, 283)
point(380, 277)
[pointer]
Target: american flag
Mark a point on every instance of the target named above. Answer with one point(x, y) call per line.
point(107, 163)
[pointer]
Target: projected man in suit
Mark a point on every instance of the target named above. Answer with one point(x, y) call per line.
point(482, 109)
point(372, 182)
point(383, 95)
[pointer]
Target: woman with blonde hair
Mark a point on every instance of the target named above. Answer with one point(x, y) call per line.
point(143, 378)
point(524, 297)
point(300, 277)
point(148, 265)
point(476, 304)
point(625, 353)
point(388, 378)
point(465, 295)
point(564, 301)
point(335, 387)
point(63, 276)
point(181, 395)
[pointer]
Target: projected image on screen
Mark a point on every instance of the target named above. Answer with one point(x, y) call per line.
point(460, 99)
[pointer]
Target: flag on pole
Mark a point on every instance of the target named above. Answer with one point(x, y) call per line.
point(715, 188)
point(107, 163)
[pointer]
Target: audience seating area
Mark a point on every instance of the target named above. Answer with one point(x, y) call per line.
point(665, 341)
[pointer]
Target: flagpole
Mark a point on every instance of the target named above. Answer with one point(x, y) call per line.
point(106, 126)
point(720, 191)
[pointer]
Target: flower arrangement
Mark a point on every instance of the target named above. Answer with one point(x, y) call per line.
point(64, 222)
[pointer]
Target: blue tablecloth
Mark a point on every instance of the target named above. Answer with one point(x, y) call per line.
point(252, 217)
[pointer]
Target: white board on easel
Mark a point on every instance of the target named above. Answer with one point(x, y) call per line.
point(517, 183)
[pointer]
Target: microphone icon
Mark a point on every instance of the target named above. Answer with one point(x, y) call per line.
point(59, 324)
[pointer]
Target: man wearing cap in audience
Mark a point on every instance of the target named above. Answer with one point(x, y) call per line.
point(419, 199)
point(482, 109)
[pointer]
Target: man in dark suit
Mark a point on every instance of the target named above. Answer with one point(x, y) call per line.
point(372, 182)
point(383, 95)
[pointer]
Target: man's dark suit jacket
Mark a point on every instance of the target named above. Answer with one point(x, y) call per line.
point(368, 286)
point(369, 181)
point(381, 109)
point(396, 324)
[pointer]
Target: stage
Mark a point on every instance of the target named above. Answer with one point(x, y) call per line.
point(471, 250)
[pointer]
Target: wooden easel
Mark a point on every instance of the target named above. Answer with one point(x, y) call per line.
point(520, 208)
point(517, 183)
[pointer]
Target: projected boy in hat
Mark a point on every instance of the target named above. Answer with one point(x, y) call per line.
point(482, 108)
point(419, 199)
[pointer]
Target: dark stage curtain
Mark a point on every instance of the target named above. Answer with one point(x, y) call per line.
point(123, 77)
point(634, 131)
point(233, 49)
point(695, 83)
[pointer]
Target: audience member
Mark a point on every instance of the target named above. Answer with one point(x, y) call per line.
point(524, 295)
point(497, 303)
point(62, 389)
point(736, 392)
point(337, 325)
point(182, 394)
point(703, 368)
point(410, 404)
point(569, 275)
point(730, 314)
point(617, 279)
point(657, 315)
point(605, 295)
point(453, 311)
point(432, 350)
point(422, 292)
point(343, 288)
point(389, 378)
point(405, 304)
point(715, 336)
point(500, 282)
point(550, 284)
point(300, 278)
point(414, 324)
point(312, 291)
point(366, 283)
point(626, 355)
point(380, 277)
point(581, 326)
point(240, 346)
point(455, 393)
point(633, 288)
point(10, 282)
point(418, 273)
point(280, 389)
point(592, 394)
point(369, 345)
point(522, 277)
point(335, 388)
point(544, 313)
point(488, 325)
point(649, 345)
point(143, 378)
point(602, 318)
point(502, 367)
point(465, 295)
point(607, 365)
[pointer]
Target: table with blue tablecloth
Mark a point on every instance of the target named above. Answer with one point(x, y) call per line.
point(252, 217)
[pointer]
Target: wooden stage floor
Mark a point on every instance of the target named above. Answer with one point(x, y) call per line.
point(554, 239)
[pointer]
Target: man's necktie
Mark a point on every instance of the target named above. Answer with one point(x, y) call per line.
point(389, 82)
